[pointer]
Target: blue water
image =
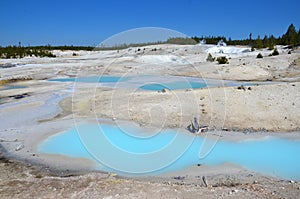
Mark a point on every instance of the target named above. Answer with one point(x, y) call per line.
point(142, 82)
point(91, 79)
point(134, 153)
point(11, 86)
point(155, 83)
point(174, 86)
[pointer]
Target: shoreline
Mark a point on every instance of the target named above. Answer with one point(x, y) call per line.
point(231, 182)
point(68, 166)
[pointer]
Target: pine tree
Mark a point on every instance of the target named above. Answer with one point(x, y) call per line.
point(290, 37)
point(271, 42)
point(258, 43)
point(298, 37)
point(265, 41)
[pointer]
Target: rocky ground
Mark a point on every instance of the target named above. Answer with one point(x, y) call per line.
point(20, 180)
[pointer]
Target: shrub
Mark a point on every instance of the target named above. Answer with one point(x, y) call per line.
point(210, 58)
point(275, 52)
point(259, 55)
point(271, 46)
point(222, 60)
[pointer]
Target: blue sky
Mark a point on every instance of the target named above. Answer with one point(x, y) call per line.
point(89, 22)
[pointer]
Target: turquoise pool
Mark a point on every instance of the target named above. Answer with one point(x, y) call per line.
point(174, 86)
point(151, 83)
point(90, 79)
point(130, 151)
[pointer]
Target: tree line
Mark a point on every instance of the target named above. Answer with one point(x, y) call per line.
point(20, 51)
point(290, 38)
